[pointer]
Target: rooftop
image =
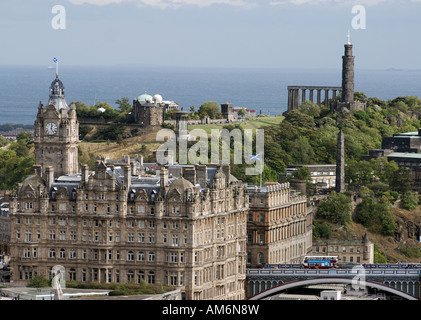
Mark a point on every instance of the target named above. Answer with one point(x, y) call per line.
point(411, 155)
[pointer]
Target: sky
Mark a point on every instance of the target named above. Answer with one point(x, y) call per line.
point(211, 33)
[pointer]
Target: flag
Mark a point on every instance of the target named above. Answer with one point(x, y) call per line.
point(55, 59)
point(254, 157)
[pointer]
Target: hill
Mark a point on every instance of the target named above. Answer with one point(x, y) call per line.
point(401, 247)
point(142, 141)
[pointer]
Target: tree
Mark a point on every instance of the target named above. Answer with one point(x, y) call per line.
point(302, 173)
point(39, 281)
point(242, 112)
point(210, 109)
point(302, 151)
point(336, 209)
point(310, 108)
point(14, 168)
point(409, 201)
point(321, 230)
point(383, 168)
point(124, 105)
point(376, 214)
point(299, 119)
point(401, 180)
point(3, 141)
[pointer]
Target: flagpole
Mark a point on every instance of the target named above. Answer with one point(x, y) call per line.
point(56, 61)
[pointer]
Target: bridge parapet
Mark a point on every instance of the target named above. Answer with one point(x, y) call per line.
point(333, 272)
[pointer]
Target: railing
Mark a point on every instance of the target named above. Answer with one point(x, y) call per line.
point(331, 272)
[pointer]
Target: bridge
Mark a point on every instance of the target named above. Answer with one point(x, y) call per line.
point(401, 281)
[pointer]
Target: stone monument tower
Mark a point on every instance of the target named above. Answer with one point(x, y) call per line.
point(347, 102)
point(348, 74)
point(340, 163)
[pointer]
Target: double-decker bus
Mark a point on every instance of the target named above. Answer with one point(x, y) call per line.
point(320, 262)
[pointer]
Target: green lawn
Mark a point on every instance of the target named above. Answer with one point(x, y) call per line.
point(250, 123)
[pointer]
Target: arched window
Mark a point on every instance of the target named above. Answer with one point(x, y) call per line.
point(130, 276)
point(261, 258)
point(130, 256)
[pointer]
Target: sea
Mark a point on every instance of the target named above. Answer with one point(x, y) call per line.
point(263, 90)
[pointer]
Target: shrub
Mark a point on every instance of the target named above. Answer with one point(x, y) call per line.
point(409, 201)
point(336, 209)
point(39, 281)
point(321, 230)
point(376, 215)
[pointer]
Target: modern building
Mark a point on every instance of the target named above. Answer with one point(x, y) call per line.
point(279, 226)
point(405, 150)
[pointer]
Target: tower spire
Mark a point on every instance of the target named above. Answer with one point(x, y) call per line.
point(57, 91)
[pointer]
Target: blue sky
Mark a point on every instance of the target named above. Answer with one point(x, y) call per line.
point(211, 33)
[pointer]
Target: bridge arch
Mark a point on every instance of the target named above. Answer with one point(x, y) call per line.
point(335, 280)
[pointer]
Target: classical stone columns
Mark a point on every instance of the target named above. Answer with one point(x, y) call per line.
point(294, 93)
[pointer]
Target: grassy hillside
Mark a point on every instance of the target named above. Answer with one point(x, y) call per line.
point(143, 141)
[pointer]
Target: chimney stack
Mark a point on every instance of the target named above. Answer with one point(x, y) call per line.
point(127, 176)
point(37, 169)
point(190, 175)
point(163, 175)
point(49, 176)
point(85, 173)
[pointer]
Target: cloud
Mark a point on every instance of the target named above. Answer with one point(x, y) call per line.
point(162, 4)
point(169, 3)
point(339, 2)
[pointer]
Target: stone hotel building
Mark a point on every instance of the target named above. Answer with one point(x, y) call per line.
point(185, 227)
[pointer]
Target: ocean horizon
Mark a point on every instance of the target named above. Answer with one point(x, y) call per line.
point(264, 90)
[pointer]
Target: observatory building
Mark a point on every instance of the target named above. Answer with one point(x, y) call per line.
point(150, 110)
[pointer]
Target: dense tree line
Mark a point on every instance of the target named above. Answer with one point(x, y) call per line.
point(308, 135)
point(103, 111)
point(16, 161)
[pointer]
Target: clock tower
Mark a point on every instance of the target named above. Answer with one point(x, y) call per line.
point(56, 135)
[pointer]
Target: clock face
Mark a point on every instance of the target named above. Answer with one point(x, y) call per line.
point(51, 128)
